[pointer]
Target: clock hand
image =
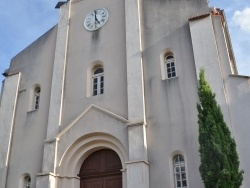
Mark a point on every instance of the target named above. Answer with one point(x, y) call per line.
point(96, 19)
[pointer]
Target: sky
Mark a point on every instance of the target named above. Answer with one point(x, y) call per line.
point(22, 22)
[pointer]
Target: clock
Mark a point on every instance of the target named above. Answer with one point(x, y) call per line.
point(96, 19)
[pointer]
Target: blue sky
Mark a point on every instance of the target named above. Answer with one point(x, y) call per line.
point(22, 22)
point(238, 20)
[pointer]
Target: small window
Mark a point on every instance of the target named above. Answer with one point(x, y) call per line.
point(170, 70)
point(180, 172)
point(37, 98)
point(98, 81)
point(27, 181)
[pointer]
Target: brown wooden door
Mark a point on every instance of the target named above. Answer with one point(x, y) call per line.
point(102, 169)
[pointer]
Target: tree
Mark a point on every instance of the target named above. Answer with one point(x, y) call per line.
point(219, 166)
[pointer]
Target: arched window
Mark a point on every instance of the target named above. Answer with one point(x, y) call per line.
point(37, 92)
point(170, 70)
point(98, 81)
point(180, 172)
point(27, 181)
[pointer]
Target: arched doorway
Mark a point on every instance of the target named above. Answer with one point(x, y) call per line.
point(101, 169)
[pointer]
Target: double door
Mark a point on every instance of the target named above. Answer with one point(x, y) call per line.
point(102, 169)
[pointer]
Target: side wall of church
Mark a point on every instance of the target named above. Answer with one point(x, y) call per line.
point(171, 103)
point(35, 63)
point(231, 90)
point(7, 115)
point(238, 92)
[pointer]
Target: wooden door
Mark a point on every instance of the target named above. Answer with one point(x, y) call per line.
point(102, 169)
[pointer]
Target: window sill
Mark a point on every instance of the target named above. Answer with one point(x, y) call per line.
point(169, 78)
point(31, 111)
point(94, 96)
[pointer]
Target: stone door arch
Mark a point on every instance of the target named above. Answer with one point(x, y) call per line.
point(101, 169)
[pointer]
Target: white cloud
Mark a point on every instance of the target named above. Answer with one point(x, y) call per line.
point(242, 19)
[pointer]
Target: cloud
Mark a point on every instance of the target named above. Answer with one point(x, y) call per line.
point(241, 18)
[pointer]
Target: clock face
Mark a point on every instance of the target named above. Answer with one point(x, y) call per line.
point(96, 19)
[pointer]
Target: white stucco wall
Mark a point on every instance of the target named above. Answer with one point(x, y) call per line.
point(30, 126)
point(147, 120)
point(232, 91)
point(238, 89)
point(7, 116)
point(171, 104)
point(85, 48)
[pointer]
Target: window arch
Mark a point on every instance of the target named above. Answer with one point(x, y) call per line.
point(37, 92)
point(169, 64)
point(180, 174)
point(26, 181)
point(98, 81)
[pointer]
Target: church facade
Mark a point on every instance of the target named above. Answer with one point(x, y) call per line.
point(107, 97)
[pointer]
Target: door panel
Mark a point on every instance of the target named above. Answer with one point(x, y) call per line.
point(92, 183)
point(113, 182)
point(102, 169)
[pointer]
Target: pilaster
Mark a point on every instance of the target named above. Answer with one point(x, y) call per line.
point(7, 116)
point(137, 174)
point(46, 180)
point(135, 82)
point(57, 90)
point(137, 166)
point(203, 34)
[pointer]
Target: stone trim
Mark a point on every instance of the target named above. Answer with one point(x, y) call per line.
point(240, 76)
point(109, 113)
point(56, 175)
point(76, 1)
point(136, 123)
point(199, 17)
point(51, 140)
point(137, 161)
point(47, 174)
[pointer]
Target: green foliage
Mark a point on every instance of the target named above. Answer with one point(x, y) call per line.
point(219, 159)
